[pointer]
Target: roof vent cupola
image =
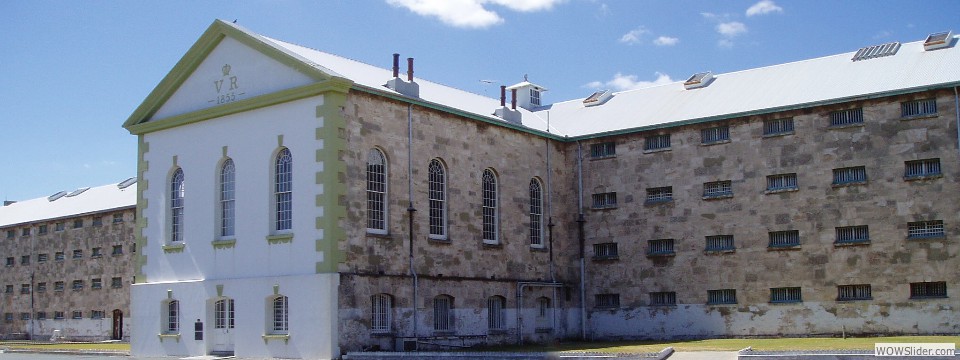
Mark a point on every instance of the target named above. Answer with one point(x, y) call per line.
point(529, 94)
point(938, 40)
point(698, 80)
point(408, 87)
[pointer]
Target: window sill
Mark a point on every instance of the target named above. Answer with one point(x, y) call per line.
point(606, 258)
point(715, 142)
point(851, 243)
point(717, 197)
point(174, 248)
point(783, 247)
point(163, 337)
point(268, 337)
point(733, 304)
point(115, 255)
point(611, 207)
point(922, 177)
point(853, 299)
point(280, 239)
point(786, 302)
point(538, 248)
point(662, 254)
point(920, 117)
point(776, 135)
point(855, 183)
point(719, 251)
point(444, 333)
point(224, 243)
point(845, 126)
point(651, 151)
point(382, 334)
point(657, 202)
point(497, 332)
point(379, 235)
point(779, 191)
point(928, 297)
point(662, 305)
point(603, 157)
point(492, 245)
point(438, 240)
point(96, 256)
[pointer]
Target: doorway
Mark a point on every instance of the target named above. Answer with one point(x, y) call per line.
point(117, 333)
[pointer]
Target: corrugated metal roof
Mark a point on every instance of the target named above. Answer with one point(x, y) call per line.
point(95, 199)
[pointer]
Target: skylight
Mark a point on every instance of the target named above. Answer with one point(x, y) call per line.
point(938, 40)
point(698, 80)
point(598, 98)
point(126, 183)
point(56, 196)
point(876, 51)
point(78, 192)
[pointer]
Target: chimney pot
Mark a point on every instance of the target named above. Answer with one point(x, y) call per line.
point(410, 69)
point(503, 95)
point(396, 65)
point(513, 102)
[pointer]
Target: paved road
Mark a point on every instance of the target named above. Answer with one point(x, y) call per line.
point(704, 355)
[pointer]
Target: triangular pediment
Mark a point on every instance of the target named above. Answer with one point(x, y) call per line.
point(228, 65)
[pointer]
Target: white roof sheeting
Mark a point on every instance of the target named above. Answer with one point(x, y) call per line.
point(96, 199)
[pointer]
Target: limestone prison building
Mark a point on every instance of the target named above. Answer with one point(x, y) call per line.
point(295, 203)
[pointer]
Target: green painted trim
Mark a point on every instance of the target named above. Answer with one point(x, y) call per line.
point(224, 244)
point(333, 84)
point(140, 260)
point(332, 134)
point(268, 337)
point(169, 336)
point(202, 48)
point(174, 248)
point(279, 239)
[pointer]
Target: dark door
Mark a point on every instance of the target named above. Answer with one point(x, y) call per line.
point(117, 325)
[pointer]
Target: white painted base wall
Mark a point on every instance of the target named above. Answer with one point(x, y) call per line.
point(312, 316)
point(79, 329)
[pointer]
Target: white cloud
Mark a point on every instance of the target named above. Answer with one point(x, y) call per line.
point(622, 82)
point(470, 13)
point(633, 37)
point(764, 7)
point(731, 29)
point(666, 41)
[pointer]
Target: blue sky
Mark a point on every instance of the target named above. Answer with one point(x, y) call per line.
point(71, 72)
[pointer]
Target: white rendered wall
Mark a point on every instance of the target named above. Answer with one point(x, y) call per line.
point(85, 329)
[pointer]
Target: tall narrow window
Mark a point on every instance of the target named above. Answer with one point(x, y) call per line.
point(176, 206)
point(536, 213)
point(495, 315)
point(437, 182)
point(443, 313)
point(283, 191)
point(227, 196)
point(490, 208)
point(173, 317)
point(382, 309)
point(223, 314)
point(280, 323)
point(376, 192)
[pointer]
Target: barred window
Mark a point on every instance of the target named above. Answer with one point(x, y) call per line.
point(607, 300)
point(41, 287)
point(25, 231)
point(663, 298)
point(381, 314)
point(176, 205)
point(921, 290)
point(853, 292)
point(58, 286)
point(96, 283)
point(58, 315)
point(77, 315)
point(918, 108)
point(605, 200)
point(850, 175)
point(491, 216)
point(24, 288)
point(283, 191)
point(534, 97)
point(853, 234)
point(437, 182)
point(605, 251)
point(11, 234)
point(785, 295)
point(280, 321)
point(782, 182)
point(720, 243)
point(78, 223)
point(496, 318)
point(722, 296)
point(41, 315)
point(778, 126)
point(443, 313)
point(787, 238)
point(228, 197)
point(377, 192)
point(42, 230)
point(96, 314)
point(116, 282)
point(660, 247)
point(925, 229)
point(659, 194)
point(97, 221)
point(921, 168)
point(602, 150)
point(656, 142)
point(172, 315)
point(77, 285)
point(715, 134)
point(536, 213)
point(58, 226)
point(846, 117)
point(25, 316)
point(117, 218)
point(717, 189)
point(117, 250)
point(59, 256)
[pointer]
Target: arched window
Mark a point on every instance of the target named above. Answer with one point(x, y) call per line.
point(227, 197)
point(283, 191)
point(223, 314)
point(536, 213)
point(176, 205)
point(171, 314)
point(438, 200)
point(280, 321)
point(443, 313)
point(491, 210)
point(376, 192)
point(382, 313)
point(495, 315)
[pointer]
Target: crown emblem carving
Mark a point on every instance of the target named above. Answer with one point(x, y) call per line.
point(226, 69)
